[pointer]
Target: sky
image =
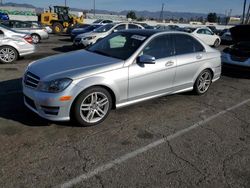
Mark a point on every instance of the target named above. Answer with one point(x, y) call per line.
point(199, 6)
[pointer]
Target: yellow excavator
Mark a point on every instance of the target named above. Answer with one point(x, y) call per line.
point(60, 19)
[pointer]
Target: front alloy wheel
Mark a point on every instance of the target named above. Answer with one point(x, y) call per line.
point(92, 106)
point(8, 54)
point(203, 82)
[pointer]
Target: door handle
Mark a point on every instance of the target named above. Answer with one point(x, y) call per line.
point(169, 63)
point(199, 56)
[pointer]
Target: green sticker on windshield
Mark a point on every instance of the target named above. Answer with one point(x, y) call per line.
point(138, 37)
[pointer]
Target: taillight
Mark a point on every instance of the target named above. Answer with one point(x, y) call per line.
point(28, 38)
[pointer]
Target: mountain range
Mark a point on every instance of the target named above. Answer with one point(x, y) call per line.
point(145, 14)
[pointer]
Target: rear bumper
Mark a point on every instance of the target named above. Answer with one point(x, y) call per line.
point(217, 73)
point(27, 50)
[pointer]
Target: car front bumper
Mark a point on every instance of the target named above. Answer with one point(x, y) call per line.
point(227, 60)
point(84, 43)
point(48, 105)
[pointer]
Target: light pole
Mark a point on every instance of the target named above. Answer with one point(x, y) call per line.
point(65, 2)
point(94, 7)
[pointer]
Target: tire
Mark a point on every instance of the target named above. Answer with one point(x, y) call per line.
point(8, 54)
point(203, 82)
point(57, 28)
point(36, 38)
point(216, 43)
point(91, 107)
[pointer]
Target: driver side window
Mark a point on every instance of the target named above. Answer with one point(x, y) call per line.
point(160, 47)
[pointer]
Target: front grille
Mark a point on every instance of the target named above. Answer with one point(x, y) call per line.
point(31, 80)
point(237, 58)
point(30, 102)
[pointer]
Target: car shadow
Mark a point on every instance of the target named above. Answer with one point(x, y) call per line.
point(13, 108)
point(66, 48)
point(236, 72)
point(65, 40)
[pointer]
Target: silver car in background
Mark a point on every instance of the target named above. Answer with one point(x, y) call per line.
point(124, 68)
point(14, 44)
point(37, 33)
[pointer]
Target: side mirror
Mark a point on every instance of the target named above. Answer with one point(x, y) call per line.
point(146, 59)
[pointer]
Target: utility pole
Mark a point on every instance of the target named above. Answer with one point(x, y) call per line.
point(65, 3)
point(244, 10)
point(94, 7)
point(247, 15)
point(162, 10)
point(1, 2)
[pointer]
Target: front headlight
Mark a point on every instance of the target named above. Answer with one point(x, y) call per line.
point(89, 38)
point(54, 86)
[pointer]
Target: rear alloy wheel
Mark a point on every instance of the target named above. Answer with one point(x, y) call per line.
point(216, 43)
point(35, 38)
point(92, 106)
point(203, 82)
point(8, 54)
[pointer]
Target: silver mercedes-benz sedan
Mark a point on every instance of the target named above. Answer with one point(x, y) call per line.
point(124, 68)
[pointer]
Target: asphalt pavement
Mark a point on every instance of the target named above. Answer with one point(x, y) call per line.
point(180, 140)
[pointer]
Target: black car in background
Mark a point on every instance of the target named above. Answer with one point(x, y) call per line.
point(81, 30)
point(238, 54)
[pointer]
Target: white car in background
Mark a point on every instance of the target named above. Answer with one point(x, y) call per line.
point(103, 22)
point(14, 44)
point(207, 36)
point(90, 38)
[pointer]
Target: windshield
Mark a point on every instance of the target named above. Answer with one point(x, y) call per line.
point(118, 45)
point(104, 28)
point(97, 21)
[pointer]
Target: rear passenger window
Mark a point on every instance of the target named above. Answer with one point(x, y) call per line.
point(160, 47)
point(120, 27)
point(185, 44)
point(132, 26)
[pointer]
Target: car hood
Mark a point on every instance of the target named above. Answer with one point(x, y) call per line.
point(92, 34)
point(73, 65)
point(240, 33)
point(85, 35)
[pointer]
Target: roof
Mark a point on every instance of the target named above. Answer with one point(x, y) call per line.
point(145, 32)
point(150, 32)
